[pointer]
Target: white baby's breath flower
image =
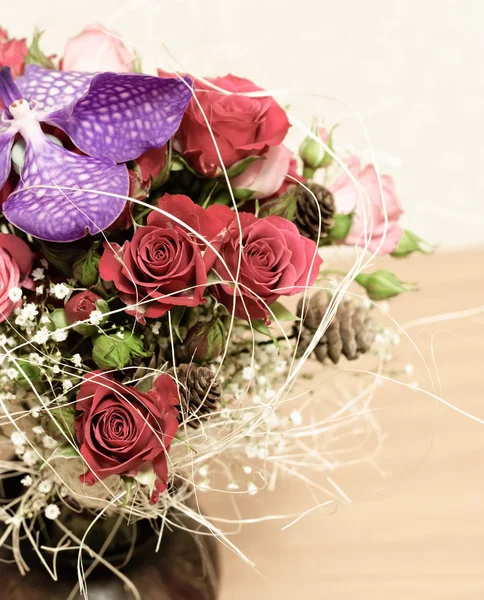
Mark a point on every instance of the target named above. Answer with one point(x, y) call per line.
point(95, 317)
point(29, 311)
point(35, 412)
point(36, 359)
point(56, 369)
point(39, 290)
point(30, 457)
point(59, 291)
point(38, 430)
point(155, 327)
point(409, 369)
point(26, 481)
point(77, 360)
point(38, 504)
point(296, 417)
point(38, 274)
point(41, 336)
point(15, 294)
point(18, 438)
point(52, 511)
point(60, 335)
point(45, 486)
point(247, 469)
point(66, 385)
point(44, 319)
point(252, 488)
point(248, 373)
point(12, 373)
point(119, 334)
point(49, 442)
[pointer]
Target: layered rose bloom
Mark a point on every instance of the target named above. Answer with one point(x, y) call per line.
point(122, 431)
point(12, 53)
point(97, 49)
point(368, 213)
point(162, 266)
point(15, 266)
point(271, 259)
point(241, 125)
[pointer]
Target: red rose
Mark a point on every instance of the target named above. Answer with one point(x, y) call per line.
point(12, 53)
point(120, 430)
point(162, 266)
point(275, 260)
point(242, 126)
point(80, 306)
point(15, 266)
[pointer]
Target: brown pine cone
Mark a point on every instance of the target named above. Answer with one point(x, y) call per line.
point(307, 213)
point(200, 392)
point(350, 333)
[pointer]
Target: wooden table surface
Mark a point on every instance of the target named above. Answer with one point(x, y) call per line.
point(418, 533)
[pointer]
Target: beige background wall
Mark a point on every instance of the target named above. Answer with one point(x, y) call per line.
point(412, 69)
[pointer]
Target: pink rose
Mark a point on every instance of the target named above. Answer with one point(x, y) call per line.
point(241, 125)
point(275, 260)
point(15, 265)
point(12, 53)
point(94, 49)
point(266, 175)
point(349, 199)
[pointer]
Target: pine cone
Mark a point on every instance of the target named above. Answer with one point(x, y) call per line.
point(307, 213)
point(200, 391)
point(350, 333)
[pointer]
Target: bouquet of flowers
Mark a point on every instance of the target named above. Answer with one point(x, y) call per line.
point(163, 289)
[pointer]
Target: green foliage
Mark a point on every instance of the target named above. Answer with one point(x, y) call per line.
point(116, 352)
point(86, 269)
point(35, 56)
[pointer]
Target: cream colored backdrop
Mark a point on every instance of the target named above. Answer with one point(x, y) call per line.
point(412, 69)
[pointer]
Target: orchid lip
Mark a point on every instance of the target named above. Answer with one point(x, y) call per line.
point(9, 92)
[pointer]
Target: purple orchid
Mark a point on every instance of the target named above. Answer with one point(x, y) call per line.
point(112, 118)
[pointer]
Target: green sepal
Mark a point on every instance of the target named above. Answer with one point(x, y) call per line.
point(35, 56)
point(63, 451)
point(409, 243)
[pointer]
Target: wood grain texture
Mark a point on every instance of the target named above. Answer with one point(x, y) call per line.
point(419, 533)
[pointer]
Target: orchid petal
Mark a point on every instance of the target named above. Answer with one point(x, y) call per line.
point(7, 135)
point(123, 115)
point(58, 213)
point(55, 92)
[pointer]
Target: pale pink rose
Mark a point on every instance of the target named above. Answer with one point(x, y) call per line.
point(265, 176)
point(368, 206)
point(15, 266)
point(94, 49)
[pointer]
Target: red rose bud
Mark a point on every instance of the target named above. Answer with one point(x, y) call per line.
point(205, 341)
point(80, 307)
point(121, 431)
point(381, 285)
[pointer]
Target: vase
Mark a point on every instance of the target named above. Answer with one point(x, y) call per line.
point(186, 567)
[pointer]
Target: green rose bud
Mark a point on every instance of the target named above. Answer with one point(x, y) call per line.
point(58, 318)
point(410, 243)
point(205, 341)
point(341, 227)
point(313, 153)
point(381, 285)
point(86, 269)
point(59, 423)
point(115, 352)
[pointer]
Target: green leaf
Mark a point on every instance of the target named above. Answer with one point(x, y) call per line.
point(86, 269)
point(178, 163)
point(62, 256)
point(176, 315)
point(262, 328)
point(281, 313)
point(284, 206)
point(239, 167)
point(64, 451)
point(35, 56)
point(242, 193)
